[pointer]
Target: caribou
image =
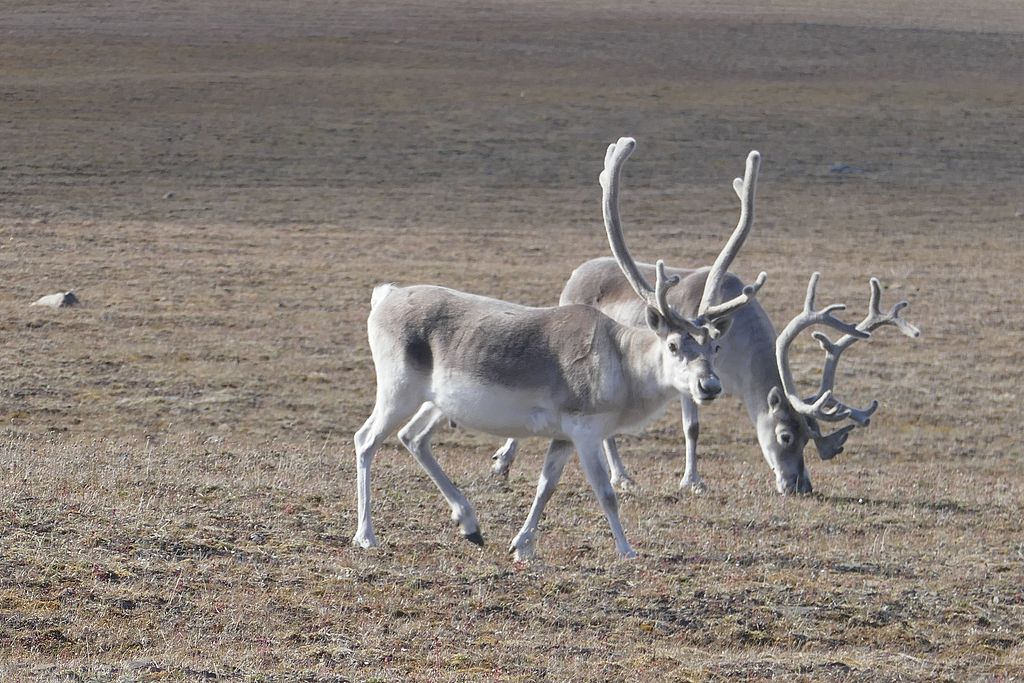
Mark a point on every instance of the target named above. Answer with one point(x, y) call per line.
point(569, 373)
point(751, 361)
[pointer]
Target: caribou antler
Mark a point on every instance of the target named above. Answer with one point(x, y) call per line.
point(823, 405)
point(657, 297)
point(833, 350)
point(744, 188)
point(830, 445)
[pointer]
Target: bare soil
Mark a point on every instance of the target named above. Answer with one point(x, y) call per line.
point(222, 184)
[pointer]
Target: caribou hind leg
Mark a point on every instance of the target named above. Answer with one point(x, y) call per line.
point(384, 419)
point(620, 478)
point(415, 436)
point(503, 458)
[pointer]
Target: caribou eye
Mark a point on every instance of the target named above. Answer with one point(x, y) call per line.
point(718, 347)
point(785, 438)
point(673, 347)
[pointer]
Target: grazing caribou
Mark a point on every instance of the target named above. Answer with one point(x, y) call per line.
point(568, 373)
point(751, 362)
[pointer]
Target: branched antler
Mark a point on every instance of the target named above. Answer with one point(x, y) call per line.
point(830, 445)
point(715, 312)
point(656, 297)
point(833, 350)
point(710, 317)
point(823, 405)
point(708, 313)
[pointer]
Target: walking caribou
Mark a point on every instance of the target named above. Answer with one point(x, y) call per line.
point(568, 373)
point(751, 361)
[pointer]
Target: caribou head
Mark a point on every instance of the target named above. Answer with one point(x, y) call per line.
point(688, 344)
point(792, 420)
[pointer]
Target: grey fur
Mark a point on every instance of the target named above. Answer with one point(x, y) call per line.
point(600, 284)
point(499, 343)
point(745, 363)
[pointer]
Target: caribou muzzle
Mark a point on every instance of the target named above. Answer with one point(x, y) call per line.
point(795, 483)
point(708, 389)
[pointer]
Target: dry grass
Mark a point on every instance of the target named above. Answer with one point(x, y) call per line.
point(222, 186)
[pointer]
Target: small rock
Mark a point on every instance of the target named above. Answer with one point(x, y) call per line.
point(58, 300)
point(1019, 213)
point(844, 168)
point(169, 195)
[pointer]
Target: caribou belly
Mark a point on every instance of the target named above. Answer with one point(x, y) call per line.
point(516, 413)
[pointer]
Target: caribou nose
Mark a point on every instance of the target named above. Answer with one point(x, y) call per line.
point(710, 386)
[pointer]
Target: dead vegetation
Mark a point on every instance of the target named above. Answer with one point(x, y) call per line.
point(224, 187)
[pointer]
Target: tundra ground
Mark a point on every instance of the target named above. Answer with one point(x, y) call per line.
point(223, 183)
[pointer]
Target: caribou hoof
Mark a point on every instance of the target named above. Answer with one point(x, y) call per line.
point(364, 540)
point(625, 485)
point(523, 548)
point(503, 458)
point(476, 538)
point(696, 486)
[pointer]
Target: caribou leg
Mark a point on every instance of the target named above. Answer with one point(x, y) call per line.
point(593, 468)
point(386, 416)
point(415, 436)
point(620, 478)
point(524, 544)
point(691, 430)
point(503, 458)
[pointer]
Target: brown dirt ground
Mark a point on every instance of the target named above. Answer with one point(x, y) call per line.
point(222, 183)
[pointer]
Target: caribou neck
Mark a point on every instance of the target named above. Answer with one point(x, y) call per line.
point(649, 385)
point(746, 363)
point(762, 380)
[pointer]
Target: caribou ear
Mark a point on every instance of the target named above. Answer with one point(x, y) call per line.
point(656, 321)
point(722, 326)
point(775, 400)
